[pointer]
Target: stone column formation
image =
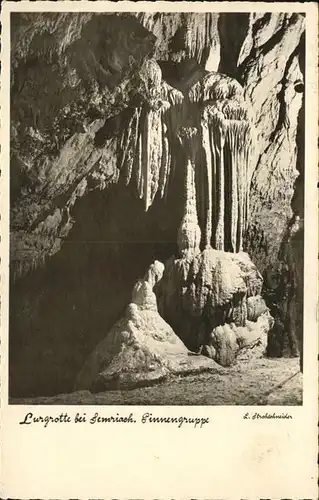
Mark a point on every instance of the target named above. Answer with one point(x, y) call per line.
point(189, 233)
point(224, 134)
point(228, 142)
point(211, 284)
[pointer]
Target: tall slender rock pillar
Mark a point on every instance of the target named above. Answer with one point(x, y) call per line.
point(189, 233)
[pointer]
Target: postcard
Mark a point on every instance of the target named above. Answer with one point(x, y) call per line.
point(159, 246)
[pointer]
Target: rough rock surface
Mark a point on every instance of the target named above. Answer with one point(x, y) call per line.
point(48, 134)
point(64, 143)
point(228, 343)
point(266, 53)
point(210, 289)
point(140, 349)
point(287, 297)
point(86, 91)
point(256, 306)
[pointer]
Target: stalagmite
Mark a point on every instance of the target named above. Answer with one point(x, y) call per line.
point(154, 273)
point(189, 233)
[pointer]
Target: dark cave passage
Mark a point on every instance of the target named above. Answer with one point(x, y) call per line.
point(60, 312)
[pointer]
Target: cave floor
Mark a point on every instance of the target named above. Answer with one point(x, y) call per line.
point(260, 382)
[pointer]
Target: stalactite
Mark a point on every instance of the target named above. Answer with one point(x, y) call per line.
point(209, 163)
point(147, 132)
point(152, 131)
point(151, 154)
point(238, 140)
point(230, 146)
point(193, 37)
point(215, 87)
point(155, 152)
point(227, 139)
point(202, 198)
point(139, 176)
point(21, 268)
point(124, 141)
point(171, 95)
point(145, 159)
point(218, 138)
point(129, 160)
point(166, 162)
point(203, 90)
point(226, 136)
point(173, 116)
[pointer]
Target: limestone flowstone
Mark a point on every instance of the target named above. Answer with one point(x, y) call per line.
point(227, 136)
point(141, 348)
point(202, 292)
point(229, 343)
point(198, 294)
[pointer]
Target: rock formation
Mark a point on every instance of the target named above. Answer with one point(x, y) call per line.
point(146, 136)
point(189, 233)
point(286, 300)
point(141, 348)
point(229, 157)
point(211, 289)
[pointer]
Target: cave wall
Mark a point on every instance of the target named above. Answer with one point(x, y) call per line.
point(73, 78)
point(266, 53)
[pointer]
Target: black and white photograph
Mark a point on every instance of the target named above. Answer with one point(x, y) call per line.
point(157, 165)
